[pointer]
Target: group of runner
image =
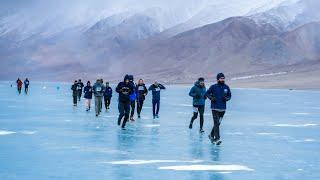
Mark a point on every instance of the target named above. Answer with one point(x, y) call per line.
point(26, 84)
point(131, 94)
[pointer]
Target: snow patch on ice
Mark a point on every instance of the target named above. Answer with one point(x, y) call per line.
point(152, 125)
point(138, 162)
point(200, 167)
point(266, 134)
point(235, 133)
point(4, 132)
point(28, 132)
point(184, 105)
point(305, 140)
point(294, 125)
point(258, 75)
point(301, 113)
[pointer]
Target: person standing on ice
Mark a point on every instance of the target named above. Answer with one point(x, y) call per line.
point(98, 90)
point(142, 92)
point(74, 92)
point(26, 85)
point(156, 88)
point(219, 94)
point(107, 96)
point(198, 92)
point(125, 89)
point(88, 90)
point(19, 85)
point(133, 97)
point(79, 88)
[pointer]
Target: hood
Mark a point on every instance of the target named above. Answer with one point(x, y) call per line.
point(197, 83)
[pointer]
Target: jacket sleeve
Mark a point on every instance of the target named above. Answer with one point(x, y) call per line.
point(162, 86)
point(228, 96)
point(111, 92)
point(150, 88)
point(145, 90)
point(118, 88)
point(192, 93)
point(209, 93)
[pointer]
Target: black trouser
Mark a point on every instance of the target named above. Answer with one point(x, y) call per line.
point(155, 107)
point(79, 94)
point(107, 101)
point(198, 109)
point(74, 100)
point(26, 88)
point(133, 106)
point(217, 118)
point(139, 106)
point(19, 90)
point(124, 110)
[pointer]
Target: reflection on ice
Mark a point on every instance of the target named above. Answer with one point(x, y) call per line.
point(294, 125)
point(207, 168)
point(137, 162)
point(3, 132)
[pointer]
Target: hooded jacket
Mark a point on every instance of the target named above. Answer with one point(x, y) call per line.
point(219, 94)
point(74, 90)
point(98, 89)
point(156, 91)
point(88, 90)
point(108, 92)
point(198, 93)
point(141, 90)
point(124, 90)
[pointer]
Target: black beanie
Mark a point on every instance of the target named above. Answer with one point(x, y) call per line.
point(220, 75)
point(126, 77)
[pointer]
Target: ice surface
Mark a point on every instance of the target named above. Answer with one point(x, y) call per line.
point(267, 134)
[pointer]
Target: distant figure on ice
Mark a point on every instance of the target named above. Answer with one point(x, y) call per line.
point(98, 90)
point(142, 92)
point(19, 85)
point(26, 85)
point(74, 89)
point(133, 98)
point(198, 92)
point(156, 88)
point(107, 96)
point(88, 90)
point(219, 94)
point(125, 89)
point(79, 88)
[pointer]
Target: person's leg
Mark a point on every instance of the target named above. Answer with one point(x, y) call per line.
point(79, 95)
point(96, 103)
point(139, 108)
point(100, 102)
point(216, 119)
point(195, 115)
point(154, 108)
point(201, 112)
point(105, 102)
point(126, 114)
point(89, 104)
point(74, 100)
point(133, 106)
point(121, 112)
point(108, 102)
point(158, 108)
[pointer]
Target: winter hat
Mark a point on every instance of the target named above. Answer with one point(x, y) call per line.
point(126, 77)
point(220, 75)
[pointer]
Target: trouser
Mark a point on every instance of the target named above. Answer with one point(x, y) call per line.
point(155, 107)
point(74, 100)
point(88, 104)
point(217, 118)
point(198, 109)
point(107, 101)
point(19, 90)
point(79, 94)
point(132, 108)
point(139, 106)
point(124, 110)
point(98, 104)
point(26, 89)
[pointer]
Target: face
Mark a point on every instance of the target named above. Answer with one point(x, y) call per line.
point(156, 83)
point(126, 81)
point(140, 81)
point(221, 80)
point(201, 83)
point(107, 84)
point(88, 84)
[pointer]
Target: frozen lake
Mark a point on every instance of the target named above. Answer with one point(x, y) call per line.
point(267, 134)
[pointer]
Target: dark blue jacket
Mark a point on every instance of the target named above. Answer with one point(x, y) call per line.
point(219, 94)
point(80, 86)
point(26, 83)
point(74, 90)
point(88, 90)
point(198, 93)
point(108, 92)
point(124, 90)
point(156, 91)
point(141, 91)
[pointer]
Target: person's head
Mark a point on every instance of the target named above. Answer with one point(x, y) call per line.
point(126, 79)
point(140, 81)
point(88, 83)
point(79, 80)
point(107, 84)
point(75, 81)
point(201, 81)
point(221, 78)
point(101, 80)
point(156, 83)
point(26, 78)
point(98, 81)
point(131, 78)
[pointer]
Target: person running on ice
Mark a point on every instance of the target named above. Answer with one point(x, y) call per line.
point(88, 90)
point(198, 92)
point(125, 89)
point(142, 92)
point(133, 97)
point(107, 96)
point(26, 85)
point(98, 90)
point(74, 92)
point(79, 88)
point(19, 85)
point(219, 94)
point(156, 88)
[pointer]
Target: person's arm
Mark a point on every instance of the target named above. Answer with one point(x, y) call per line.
point(162, 86)
point(145, 91)
point(118, 89)
point(228, 95)
point(209, 94)
point(192, 93)
point(150, 88)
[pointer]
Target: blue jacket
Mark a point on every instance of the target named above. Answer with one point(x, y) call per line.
point(108, 92)
point(219, 94)
point(141, 91)
point(98, 89)
point(88, 90)
point(156, 91)
point(198, 93)
point(26, 83)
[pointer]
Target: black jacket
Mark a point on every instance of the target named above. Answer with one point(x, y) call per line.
point(125, 90)
point(141, 91)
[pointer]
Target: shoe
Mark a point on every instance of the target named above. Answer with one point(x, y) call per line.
point(211, 139)
point(119, 122)
point(201, 131)
point(154, 117)
point(97, 115)
point(218, 142)
point(139, 116)
point(190, 126)
point(157, 116)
